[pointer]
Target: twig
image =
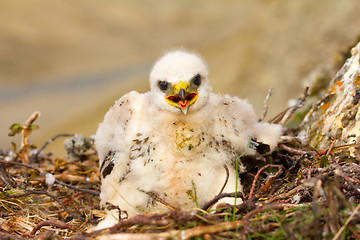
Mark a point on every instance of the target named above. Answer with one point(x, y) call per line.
point(299, 103)
point(356, 210)
point(294, 141)
point(201, 230)
point(77, 189)
point(292, 150)
point(159, 219)
point(226, 179)
point(342, 147)
point(266, 102)
point(258, 173)
point(52, 223)
point(210, 203)
point(35, 157)
point(285, 195)
point(142, 220)
point(177, 234)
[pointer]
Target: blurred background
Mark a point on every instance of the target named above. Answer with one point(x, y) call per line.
point(71, 60)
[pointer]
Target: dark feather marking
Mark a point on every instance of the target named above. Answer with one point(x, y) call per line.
point(108, 169)
point(137, 141)
point(109, 157)
point(128, 170)
point(148, 161)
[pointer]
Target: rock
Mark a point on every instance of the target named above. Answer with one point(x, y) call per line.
point(334, 119)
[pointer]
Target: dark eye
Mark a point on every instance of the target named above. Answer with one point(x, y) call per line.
point(197, 80)
point(163, 85)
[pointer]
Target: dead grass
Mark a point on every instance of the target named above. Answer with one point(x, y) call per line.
point(294, 195)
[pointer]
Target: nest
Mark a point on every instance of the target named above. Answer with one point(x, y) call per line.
point(291, 193)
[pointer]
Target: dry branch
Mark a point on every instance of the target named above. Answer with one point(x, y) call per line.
point(177, 234)
point(220, 196)
point(266, 105)
point(270, 180)
point(52, 223)
point(36, 155)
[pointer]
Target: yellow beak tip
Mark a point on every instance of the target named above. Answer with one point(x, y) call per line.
point(178, 97)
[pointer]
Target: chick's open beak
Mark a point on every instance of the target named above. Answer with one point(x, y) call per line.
point(181, 97)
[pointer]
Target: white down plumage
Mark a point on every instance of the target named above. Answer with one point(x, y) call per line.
point(173, 140)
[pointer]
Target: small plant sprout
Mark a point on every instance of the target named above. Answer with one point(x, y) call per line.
point(237, 180)
point(25, 130)
point(195, 194)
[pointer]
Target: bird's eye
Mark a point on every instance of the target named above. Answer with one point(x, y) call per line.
point(197, 80)
point(163, 85)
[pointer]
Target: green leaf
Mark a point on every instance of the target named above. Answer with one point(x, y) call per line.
point(324, 161)
point(16, 128)
point(34, 127)
point(195, 195)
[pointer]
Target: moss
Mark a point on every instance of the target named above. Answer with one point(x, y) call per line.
point(298, 118)
point(356, 80)
point(315, 138)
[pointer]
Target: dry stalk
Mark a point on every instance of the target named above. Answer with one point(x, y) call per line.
point(270, 180)
point(52, 223)
point(35, 156)
point(177, 234)
point(285, 195)
point(266, 106)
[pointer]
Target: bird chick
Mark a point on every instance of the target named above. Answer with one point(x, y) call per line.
point(169, 145)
